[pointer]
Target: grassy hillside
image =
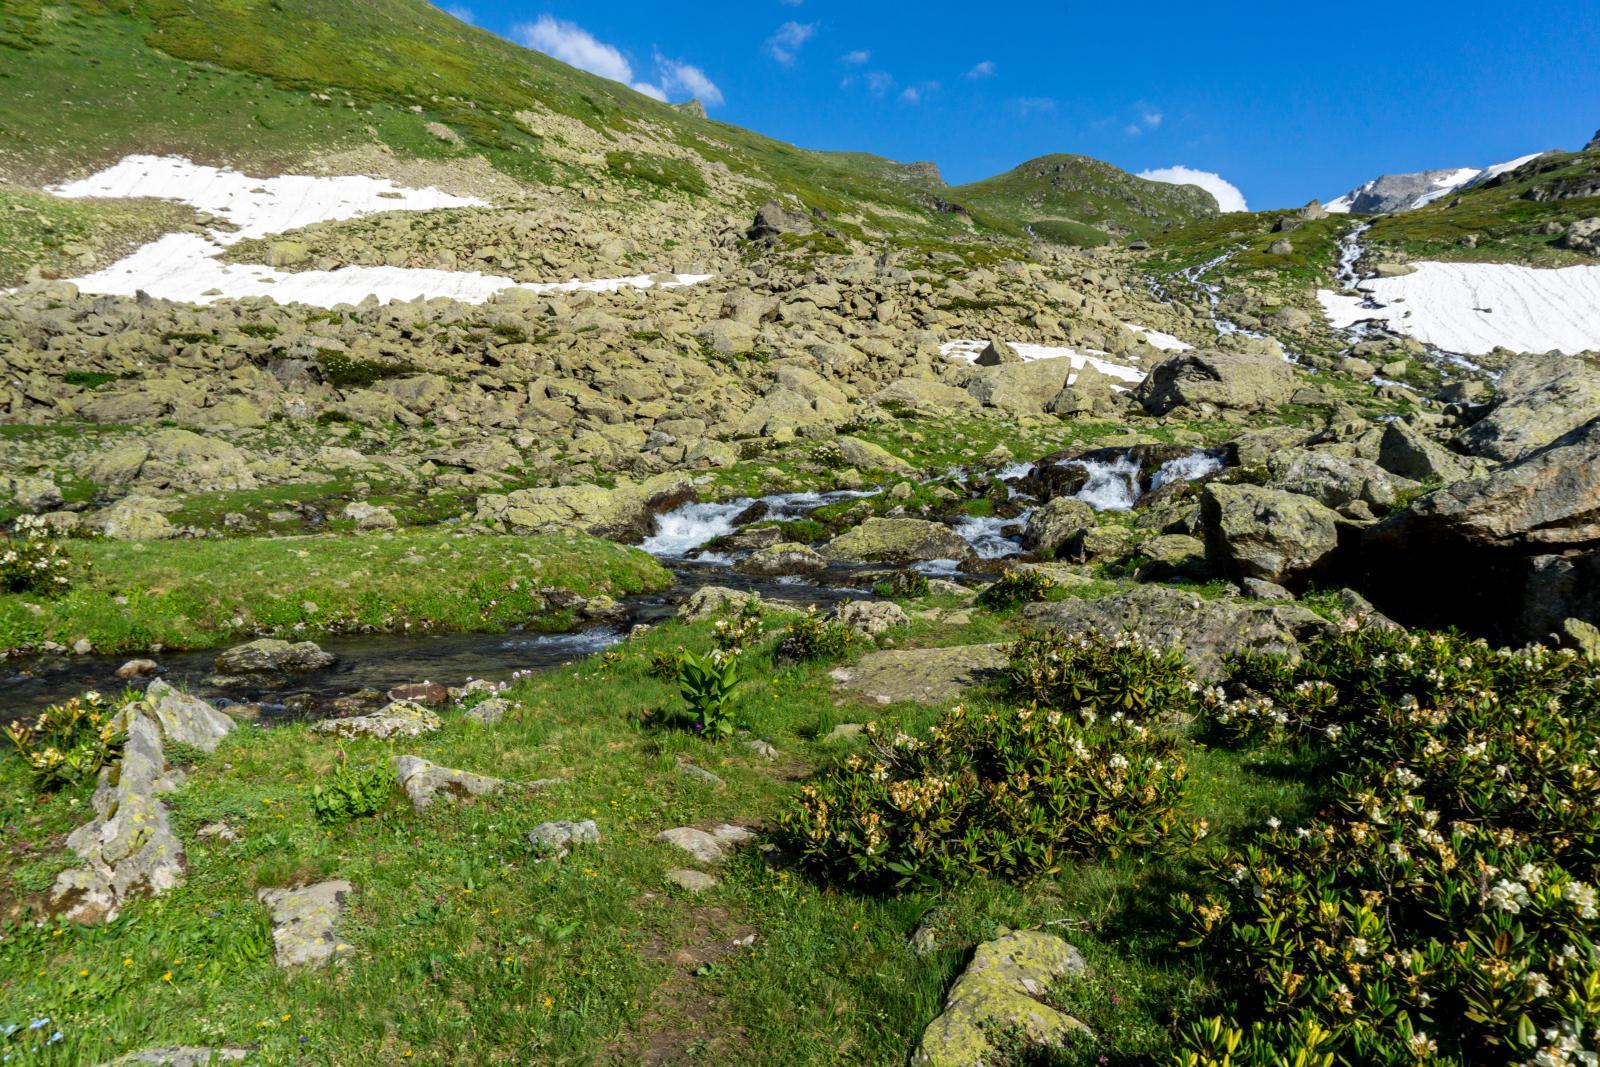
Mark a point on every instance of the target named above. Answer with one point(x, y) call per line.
point(1509, 224)
point(63, 237)
point(1250, 236)
point(1078, 200)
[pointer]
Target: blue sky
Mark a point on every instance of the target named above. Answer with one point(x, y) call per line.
point(1282, 102)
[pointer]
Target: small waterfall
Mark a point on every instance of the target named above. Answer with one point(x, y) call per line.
point(1113, 485)
point(985, 536)
point(1187, 469)
point(681, 531)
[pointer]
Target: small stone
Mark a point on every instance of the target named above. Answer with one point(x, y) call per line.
point(82, 646)
point(845, 731)
point(693, 881)
point(698, 773)
point(305, 922)
point(217, 831)
point(428, 694)
point(138, 668)
point(708, 846)
point(762, 749)
point(490, 711)
point(180, 1056)
point(423, 780)
point(553, 840)
point(400, 719)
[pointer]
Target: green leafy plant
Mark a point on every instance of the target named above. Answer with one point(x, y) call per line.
point(1009, 793)
point(706, 684)
point(351, 792)
point(31, 561)
point(742, 631)
point(664, 665)
point(908, 585)
point(1014, 588)
point(1442, 905)
point(811, 637)
point(68, 743)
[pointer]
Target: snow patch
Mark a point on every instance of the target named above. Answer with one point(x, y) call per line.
point(967, 351)
point(1156, 339)
point(185, 266)
point(1473, 308)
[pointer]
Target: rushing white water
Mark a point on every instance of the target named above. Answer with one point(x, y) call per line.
point(1186, 469)
point(1112, 486)
point(985, 535)
point(681, 531)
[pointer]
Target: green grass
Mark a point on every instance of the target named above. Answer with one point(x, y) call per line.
point(63, 238)
point(465, 944)
point(197, 594)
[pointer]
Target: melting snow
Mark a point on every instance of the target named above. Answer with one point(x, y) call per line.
point(1476, 307)
point(185, 267)
point(1156, 339)
point(967, 351)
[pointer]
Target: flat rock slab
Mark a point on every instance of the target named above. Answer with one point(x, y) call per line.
point(305, 922)
point(271, 655)
point(180, 1056)
point(921, 675)
point(692, 881)
point(187, 719)
point(554, 840)
point(708, 846)
point(400, 719)
point(423, 781)
point(1002, 989)
point(490, 711)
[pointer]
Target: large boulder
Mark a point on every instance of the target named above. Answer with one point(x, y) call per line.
point(897, 541)
point(625, 513)
point(1056, 524)
point(924, 396)
point(1237, 381)
point(1205, 631)
point(1334, 481)
point(1019, 388)
point(1540, 398)
point(1003, 990)
point(784, 558)
point(187, 719)
point(1509, 555)
point(1268, 534)
point(923, 675)
point(400, 718)
point(271, 655)
point(1407, 452)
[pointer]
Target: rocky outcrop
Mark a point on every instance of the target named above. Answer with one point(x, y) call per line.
point(270, 655)
point(870, 618)
point(401, 718)
point(784, 558)
point(1216, 380)
point(1335, 481)
point(1003, 990)
point(1054, 525)
point(709, 601)
point(305, 922)
point(1539, 398)
point(130, 848)
point(1268, 534)
point(423, 781)
point(897, 541)
point(1511, 554)
point(711, 846)
point(924, 675)
point(1205, 631)
point(624, 513)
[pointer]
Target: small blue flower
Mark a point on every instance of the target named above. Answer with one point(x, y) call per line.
point(54, 1038)
point(39, 1024)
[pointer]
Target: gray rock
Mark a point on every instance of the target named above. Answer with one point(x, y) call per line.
point(1406, 452)
point(762, 748)
point(784, 558)
point(138, 668)
point(553, 840)
point(708, 846)
point(693, 881)
point(710, 601)
point(897, 541)
point(699, 773)
point(423, 781)
point(370, 517)
point(1206, 632)
point(1539, 398)
point(1239, 381)
point(870, 618)
point(1334, 481)
point(1267, 533)
point(270, 655)
point(1056, 524)
point(1003, 989)
point(922, 675)
point(402, 718)
point(305, 922)
point(490, 711)
point(187, 719)
point(181, 1056)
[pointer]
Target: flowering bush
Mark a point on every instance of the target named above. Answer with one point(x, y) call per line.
point(33, 562)
point(1442, 906)
point(811, 638)
point(69, 743)
point(742, 631)
point(1017, 587)
point(1099, 677)
point(1008, 792)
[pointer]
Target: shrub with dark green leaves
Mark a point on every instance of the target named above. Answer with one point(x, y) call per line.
point(706, 684)
point(31, 561)
point(1100, 677)
point(68, 743)
point(1009, 793)
point(352, 792)
point(908, 585)
point(811, 637)
point(1015, 588)
point(1442, 905)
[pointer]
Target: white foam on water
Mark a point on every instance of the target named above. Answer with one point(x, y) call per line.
point(186, 266)
point(985, 536)
point(1112, 486)
point(684, 529)
point(1186, 469)
point(1474, 308)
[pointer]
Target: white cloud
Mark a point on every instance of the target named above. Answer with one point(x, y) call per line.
point(856, 58)
point(1150, 117)
point(690, 80)
point(911, 95)
point(1035, 105)
point(576, 46)
point(982, 70)
point(879, 83)
point(457, 11)
point(1229, 198)
point(789, 39)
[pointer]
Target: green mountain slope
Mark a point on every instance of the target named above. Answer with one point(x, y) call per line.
point(1520, 216)
point(1078, 200)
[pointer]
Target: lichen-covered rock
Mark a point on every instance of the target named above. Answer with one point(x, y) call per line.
point(869, 618)
point(1334, 481)
point(1205, 631)
point(423, 781)
point(784, 558)
point(1055, 524)
point(401, 718)
point(709, 601)
point(923, 675)
point(1538, 399)
point(181, 1056)
point(271, 655)
point(1268, 534)
point(1002, 989)
point(897, 541)
point(305, 922)
point(370, 517)
point(866, 456)
point(187, 719)
point(553, 840)
point(1239, 381)
point(624, 513)
point(1407, 452)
